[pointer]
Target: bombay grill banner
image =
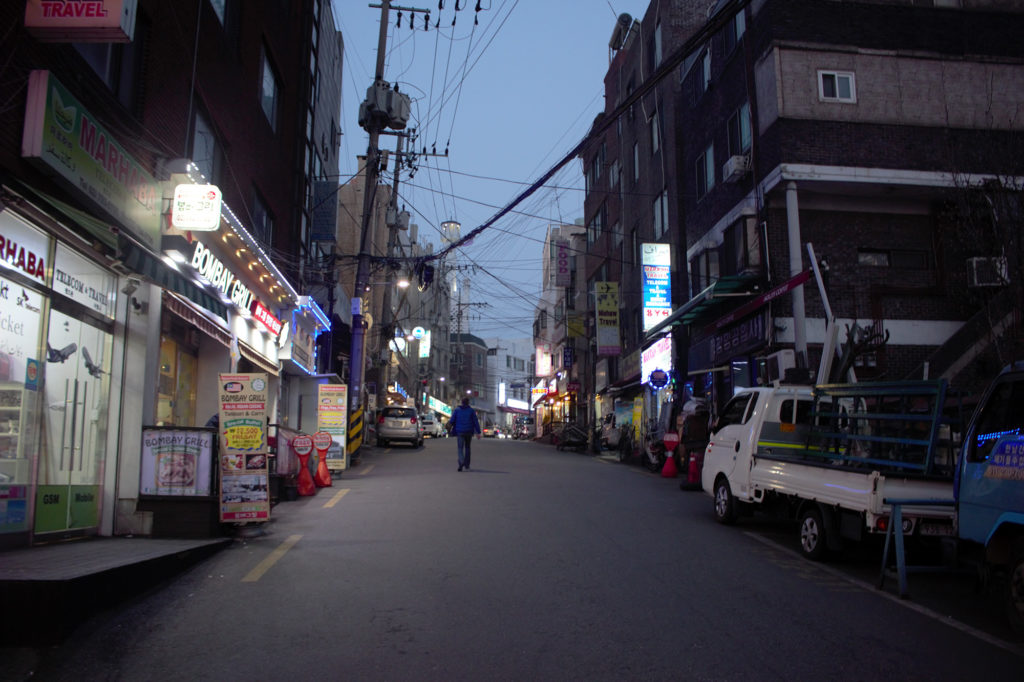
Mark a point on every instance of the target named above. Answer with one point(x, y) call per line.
point(244, 473)
point(176, 462)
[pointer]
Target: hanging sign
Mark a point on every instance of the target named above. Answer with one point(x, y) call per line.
point(244, 473)
point(196, 208)
point(656, 261)
point(607, 308)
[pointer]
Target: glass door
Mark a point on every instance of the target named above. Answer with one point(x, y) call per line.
point(77, 391)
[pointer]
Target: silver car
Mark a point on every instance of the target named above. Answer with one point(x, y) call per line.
point(399, 424)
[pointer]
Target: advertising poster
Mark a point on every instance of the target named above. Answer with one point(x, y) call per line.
point(244, 476)
point(332, 417)
point(176, 462)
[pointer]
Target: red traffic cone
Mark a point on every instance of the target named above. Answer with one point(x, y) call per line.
point(669, 470)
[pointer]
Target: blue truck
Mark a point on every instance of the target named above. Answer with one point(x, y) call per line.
point(988, 488)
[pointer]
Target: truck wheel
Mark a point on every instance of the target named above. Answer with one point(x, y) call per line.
point(725, 503)
point(1015, 589)
point(812, 534)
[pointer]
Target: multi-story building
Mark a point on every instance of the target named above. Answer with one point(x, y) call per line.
point(509, 376)
point(804, 123)
point(468, 373)
point(101, 126)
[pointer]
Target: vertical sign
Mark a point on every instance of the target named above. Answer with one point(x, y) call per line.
point(608, 318)
point(244, 477)
point(562, 274)
point(656, 261)
point(332, 417)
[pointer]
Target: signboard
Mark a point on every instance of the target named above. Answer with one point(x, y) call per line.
point(206, 263)
point(438, 406)
point(23, 248)
point(607, 307)
point(424, 344)
point(332, 418)
point(657, 356)
point(261, 314)
point(656, 261)
point(543, 359)
point(244, 476)
point(83, 281)
point(568, 355)
point(743, 337)
point(63, 136)
point(176, 462)
point(563, 275)
point(196, 208)
point(84, 21)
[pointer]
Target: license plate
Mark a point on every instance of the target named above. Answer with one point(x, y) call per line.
point(395, 425)
point(936, 528)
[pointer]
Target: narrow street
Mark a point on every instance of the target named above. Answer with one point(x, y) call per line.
point(537, 564)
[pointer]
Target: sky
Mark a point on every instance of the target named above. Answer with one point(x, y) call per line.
point(508, 97)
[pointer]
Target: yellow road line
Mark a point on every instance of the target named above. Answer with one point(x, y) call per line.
point(264, 566)
point(334, 500)
point(367, 470)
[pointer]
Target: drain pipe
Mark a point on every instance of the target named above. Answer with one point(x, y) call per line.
point(795, 268)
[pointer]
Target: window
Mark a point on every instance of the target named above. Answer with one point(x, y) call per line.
point(703, 270)
point(654, 47)
point(479, 359)
point(629, 91)
point(999, 420)
point(738, 129)
point(636, 162)
point(218, 9)
point(268, 89)
point(705, 71)
point(741, 246)
point(655, 136)
point(596, 226)
point(660, 211)
point(262, 221)
point(119, 65)
point(733, 31)
point(836, 86)
point(803, 411)
point(905, 259)
point(735, 411)
point(705, 171)
point(205, 148)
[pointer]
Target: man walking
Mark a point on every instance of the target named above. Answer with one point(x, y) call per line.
point(464, 425)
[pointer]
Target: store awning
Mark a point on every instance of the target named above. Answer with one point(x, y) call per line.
point(513, 410)
point(155, 270)
point(707, 302)
point(551, 395)
point(256, 358)
point(92, 225)
point(191, 316)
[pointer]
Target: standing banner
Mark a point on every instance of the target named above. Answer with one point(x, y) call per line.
point(332, 417)
point(244, 477)
point(322, 441)
point(608, 318)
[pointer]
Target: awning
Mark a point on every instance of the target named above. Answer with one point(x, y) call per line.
point(257, 358)
point(155, 270)
point(95, 227)
point(513, 410)
point(184, 310)
point(551, 395)
point(707, 302)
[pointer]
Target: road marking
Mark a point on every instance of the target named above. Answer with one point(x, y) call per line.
point(264, 566)
point(368, 469)
point(923, 610)
point(334, 500)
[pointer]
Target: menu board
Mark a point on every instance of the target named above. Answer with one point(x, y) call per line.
point(332, 417)
point(244, 474)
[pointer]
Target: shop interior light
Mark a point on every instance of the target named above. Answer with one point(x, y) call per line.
point(403, 283)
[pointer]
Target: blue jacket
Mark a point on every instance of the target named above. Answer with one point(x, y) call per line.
point(464, 418)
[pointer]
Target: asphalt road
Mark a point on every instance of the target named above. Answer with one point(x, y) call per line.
point(535, 565)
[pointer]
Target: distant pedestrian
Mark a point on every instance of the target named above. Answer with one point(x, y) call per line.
point(463, 425)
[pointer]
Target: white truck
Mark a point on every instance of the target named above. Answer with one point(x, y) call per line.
point(830, 455)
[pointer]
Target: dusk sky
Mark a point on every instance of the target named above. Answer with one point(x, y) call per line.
point(508, 97)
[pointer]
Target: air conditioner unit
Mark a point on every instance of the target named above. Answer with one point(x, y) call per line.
point(772, 368)
point(987, 272)
point(736, 167)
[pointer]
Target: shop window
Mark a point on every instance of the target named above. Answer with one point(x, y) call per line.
point(176, 390)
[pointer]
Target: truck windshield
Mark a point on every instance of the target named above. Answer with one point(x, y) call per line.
point(1000, 418)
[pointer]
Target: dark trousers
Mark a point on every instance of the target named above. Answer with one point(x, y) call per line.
point(465, 443)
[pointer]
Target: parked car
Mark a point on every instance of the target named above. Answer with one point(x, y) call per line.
point(431, 426)
point(399, 424)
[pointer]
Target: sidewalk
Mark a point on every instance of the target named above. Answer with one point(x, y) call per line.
point(48, 590)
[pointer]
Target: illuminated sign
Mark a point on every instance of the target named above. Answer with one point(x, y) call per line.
point(81, 21)
point(658, 356)
point(656, 263)
point(196, 208)
point(418, 332)
point(23, 248)
point(210, 267)
point(265, 318)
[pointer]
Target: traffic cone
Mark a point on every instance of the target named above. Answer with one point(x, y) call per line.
point(669, 469)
